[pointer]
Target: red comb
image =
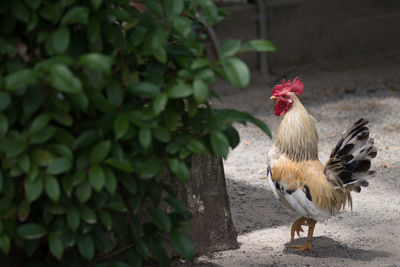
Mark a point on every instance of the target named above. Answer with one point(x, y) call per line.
point(295, 86)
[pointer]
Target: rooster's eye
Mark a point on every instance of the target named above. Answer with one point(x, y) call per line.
point(284, 96)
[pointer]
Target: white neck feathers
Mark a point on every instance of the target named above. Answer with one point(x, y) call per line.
point(297, 136)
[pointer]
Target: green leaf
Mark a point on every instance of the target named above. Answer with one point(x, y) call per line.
point(229, 48)
point(237, 72)
point(143, 248)
point(259, 45)
point(157, 46)
point(196, 146)
point(62, 150)
point(200, 90)
point(33, 21)
point(31, 231)
point(80, 100)
point(97, 177)
point(93, 32)
point(42, 157)
point(98, 61)
point(64, 119)
point(56, 245)
point(96, 4)
point(73, 218)
point(24, 163)
point(138, 35)
point(118, 206)
point(160, 219)
point(233, 136)
point(121, 125)
point(78, 177)
point(39, 123)
point(177, 205)
point(210, 12)
point(76, 15)
point(86, 138)
point(33, 4)
point(182, 25)
point(171, 117)
point(33, 172)
point(24, 208)
point(83, 192)
point(13, 146)
point(119, 14)
point(111, 181)
point(231, 115)
point(5, 100)
point(182, 243)
point(199, 63)
point(5, 243)
point(99, 152)
point(120, 164)
point(64, 80)
point(160, 254)
point(180, 90)
point(219, 143)
point(43, 135)
point(3, 125)
point(159, 103)
point(87, 214)
point(59, 165)
point(179, 168)
point(162, 134)
point(20, 11)
point(60, 40)
point(173, 8)
point(52, 188)
point(150, 168)
point(129, 183)
point(145, 137)
point(86, 246)
point(33, 189)
point(144, 89)
point(19, 79)
point(32, 100)
point(207, 75)
point(106, 219)
point(154, 8)
point(67, 184)
point(6, 205)
point(115, 94)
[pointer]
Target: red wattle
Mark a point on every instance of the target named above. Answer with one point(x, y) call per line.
point(281, 107)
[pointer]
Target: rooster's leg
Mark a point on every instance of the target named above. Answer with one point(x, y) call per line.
point(296, 227)
point(307, 246)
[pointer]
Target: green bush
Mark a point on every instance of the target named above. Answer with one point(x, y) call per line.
point(98, 102)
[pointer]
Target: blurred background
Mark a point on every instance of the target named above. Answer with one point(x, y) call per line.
point(360, 36)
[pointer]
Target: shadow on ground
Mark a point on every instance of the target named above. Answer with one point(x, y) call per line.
point(325, 247)
point(248, 202)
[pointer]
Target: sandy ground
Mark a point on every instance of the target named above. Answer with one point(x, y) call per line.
point(336, 94)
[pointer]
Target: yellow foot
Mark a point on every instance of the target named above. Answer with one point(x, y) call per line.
point(306, 246)
point(296, 228)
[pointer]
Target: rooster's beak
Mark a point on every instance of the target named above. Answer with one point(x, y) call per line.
point(273, 97)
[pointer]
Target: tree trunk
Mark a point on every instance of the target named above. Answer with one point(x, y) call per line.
point(205, 195)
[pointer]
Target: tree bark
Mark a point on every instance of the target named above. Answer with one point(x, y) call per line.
point(205, 195)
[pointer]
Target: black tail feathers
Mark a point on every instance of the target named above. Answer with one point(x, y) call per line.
point(350, 159)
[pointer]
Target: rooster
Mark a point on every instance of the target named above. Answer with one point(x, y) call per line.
point(296, 175)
